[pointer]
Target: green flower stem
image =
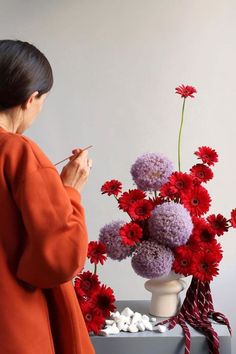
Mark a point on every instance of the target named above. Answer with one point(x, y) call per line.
point(95, 268)
point(180, 134)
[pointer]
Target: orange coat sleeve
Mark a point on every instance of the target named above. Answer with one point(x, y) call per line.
point(56, 239)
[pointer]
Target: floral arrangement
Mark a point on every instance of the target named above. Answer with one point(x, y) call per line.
point(96, 300)
point(169, 229)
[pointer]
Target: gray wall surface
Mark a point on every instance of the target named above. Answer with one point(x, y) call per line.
point(116, 64)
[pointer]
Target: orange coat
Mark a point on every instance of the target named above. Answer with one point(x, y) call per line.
point(43, 245)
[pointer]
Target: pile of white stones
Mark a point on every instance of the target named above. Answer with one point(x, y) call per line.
point(130, 321)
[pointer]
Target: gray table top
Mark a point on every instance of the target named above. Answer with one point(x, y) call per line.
point(150, 342)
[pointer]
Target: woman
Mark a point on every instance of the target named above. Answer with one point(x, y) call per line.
point(43, 234)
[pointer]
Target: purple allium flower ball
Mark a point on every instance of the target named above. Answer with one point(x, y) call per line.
point(170, 224)
point(109, 234)
point(151, 170)
point(151, 260)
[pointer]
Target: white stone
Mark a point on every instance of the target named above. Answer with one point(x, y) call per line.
point(109, 330)
point(109, 322)
point(145, 318)
point(136, 317)
point(148, 325)
point(125, 327)
point(153, 319)
point(141, 327)
point(115, 315)
point(127, 312)
point(132, 328)
point(160, 328)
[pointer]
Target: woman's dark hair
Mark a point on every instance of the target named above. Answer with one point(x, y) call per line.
point(23, 70)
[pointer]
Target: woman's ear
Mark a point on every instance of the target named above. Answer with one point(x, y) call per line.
point(30, 100)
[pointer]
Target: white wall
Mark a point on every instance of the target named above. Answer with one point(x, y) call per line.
point(116, 65)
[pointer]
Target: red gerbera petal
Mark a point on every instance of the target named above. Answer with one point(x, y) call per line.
point(215, 249)
point(201, 173)
point(94, 320)
point(96, 252)
point(233, 218)
point(197, 201)
point(183, 260)
point(103, 301)
point(86, 283)
point(218, 224)
point(156, 201)
point(202, 231)
point(131, 233)
point(128, 198)
point(141, 209)
point(207, 155)
point(168, 191)
point(185, 91)
point(112, 187)
point(205, 266)
point(181, 182)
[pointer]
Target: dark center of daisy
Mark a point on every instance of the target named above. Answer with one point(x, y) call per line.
point(141, 211)
point(206, 236)
point(184, 262)
point(201, 174)
point(86, 285)
point(205, 266)
point(195, 201)
point(180, 184)
point(88, 317)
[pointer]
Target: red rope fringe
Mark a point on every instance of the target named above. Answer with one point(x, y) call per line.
point(196, 310)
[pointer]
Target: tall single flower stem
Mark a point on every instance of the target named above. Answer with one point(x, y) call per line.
point(95, 268)
point(180, 134)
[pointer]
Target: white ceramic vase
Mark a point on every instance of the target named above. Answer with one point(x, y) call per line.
point(165, 300)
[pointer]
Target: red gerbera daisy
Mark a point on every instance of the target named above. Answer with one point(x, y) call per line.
point(214, 248)
point(218, 224)
point(94, 321)
point(202, 231)
point(197, 201)
point(181, 182)
point(96, 252)
point(131, 233)
point(205, 266)
point(128, 198)
point(168, 191)
point(141, 209)
point(183, 260)
point(103, 301)
point(207, 155)
point(201, 173)
point(156, 201)
point(185, 91)
point(86, 283)
point(233, 218)
point(112, 187)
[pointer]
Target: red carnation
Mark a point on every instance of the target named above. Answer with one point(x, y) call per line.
point(131, 233)
point(86, 284)
point(201, 173)
point(233, 218)
point(183, 260)
point(112, 187)
point(218, 224)
point(181, 182)
point(197, 201)
point(96, 252)
point(205, 266)
point(141, 209)
point(103, 301)
point(207, 155)
point(185, 91)
point(93, 319)
point(128, 198)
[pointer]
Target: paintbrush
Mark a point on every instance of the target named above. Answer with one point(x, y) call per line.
point(75, 156)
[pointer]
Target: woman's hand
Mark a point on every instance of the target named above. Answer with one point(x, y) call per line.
point(75, 173)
